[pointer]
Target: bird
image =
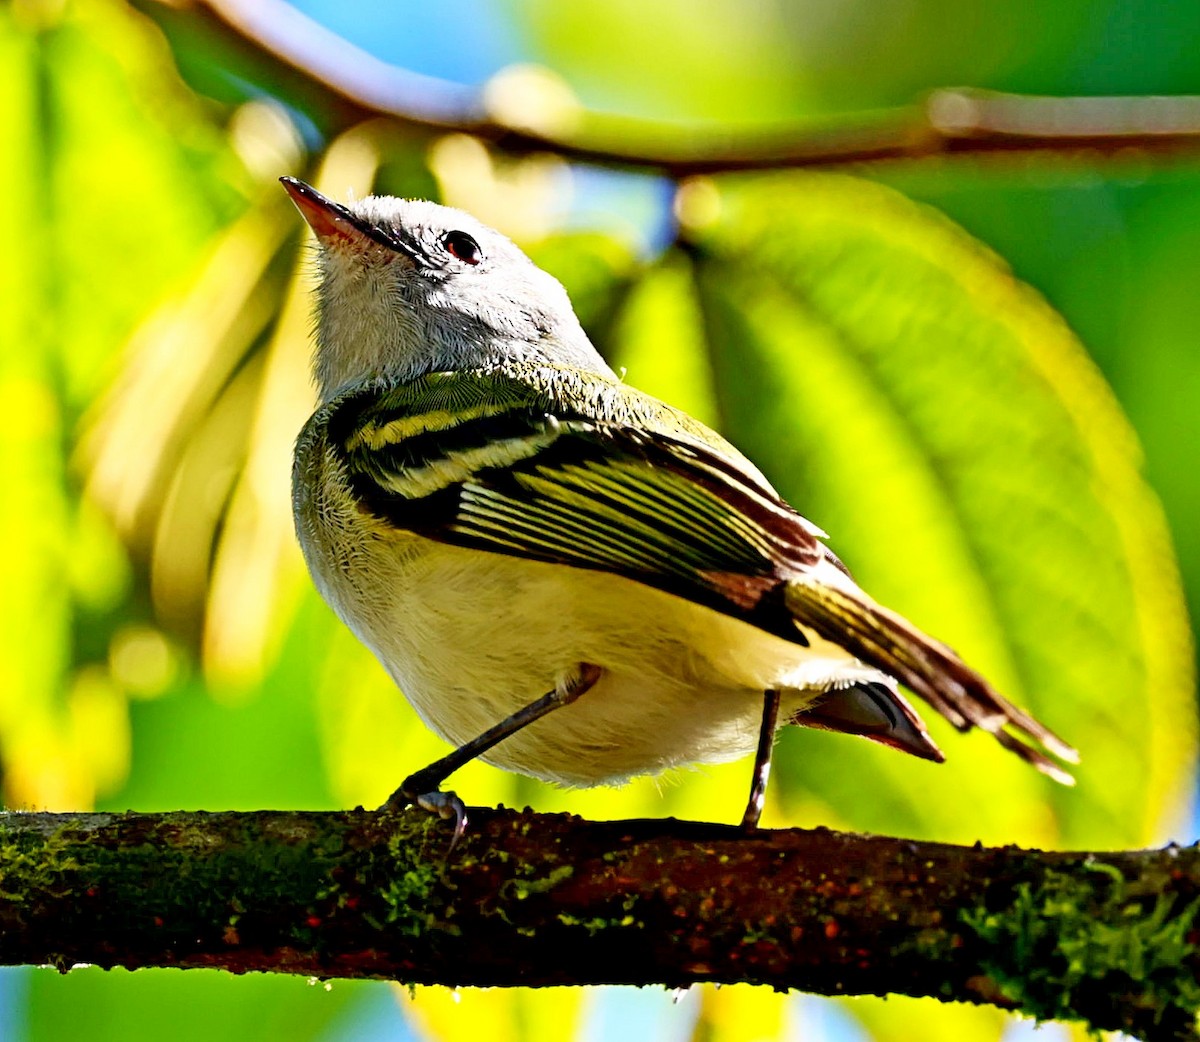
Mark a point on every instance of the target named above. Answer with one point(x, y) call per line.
point(567, 577)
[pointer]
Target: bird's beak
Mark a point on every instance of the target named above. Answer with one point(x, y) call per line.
point(333, 223)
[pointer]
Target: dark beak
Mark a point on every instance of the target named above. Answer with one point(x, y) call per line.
point(332, 222)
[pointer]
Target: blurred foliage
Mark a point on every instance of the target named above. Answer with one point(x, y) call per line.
point(162, 648)
point(1026, 534)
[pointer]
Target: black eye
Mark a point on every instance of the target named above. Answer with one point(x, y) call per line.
point(462, 246)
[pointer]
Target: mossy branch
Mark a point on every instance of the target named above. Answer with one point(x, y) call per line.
point(1109, 939)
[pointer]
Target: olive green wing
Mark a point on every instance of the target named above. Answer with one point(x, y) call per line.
point(573, 468)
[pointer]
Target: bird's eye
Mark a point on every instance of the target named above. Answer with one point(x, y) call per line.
point(462, 246)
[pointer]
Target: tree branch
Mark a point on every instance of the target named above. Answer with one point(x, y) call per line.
point(340, 85)
point(550, 899)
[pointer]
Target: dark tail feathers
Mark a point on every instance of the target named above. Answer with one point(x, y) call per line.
point(881, 638)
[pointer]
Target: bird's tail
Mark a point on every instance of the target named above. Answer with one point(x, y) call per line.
point(878, 637)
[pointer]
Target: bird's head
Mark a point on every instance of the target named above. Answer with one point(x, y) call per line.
point(410, 287)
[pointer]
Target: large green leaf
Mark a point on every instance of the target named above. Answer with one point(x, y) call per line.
point(946, 427)
point(944, 424)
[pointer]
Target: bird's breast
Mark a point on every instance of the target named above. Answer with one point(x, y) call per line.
point(471, 636)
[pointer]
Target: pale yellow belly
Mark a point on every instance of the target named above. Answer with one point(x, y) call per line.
point(470, 637)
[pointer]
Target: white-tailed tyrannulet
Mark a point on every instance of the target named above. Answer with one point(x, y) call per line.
point(513, 530)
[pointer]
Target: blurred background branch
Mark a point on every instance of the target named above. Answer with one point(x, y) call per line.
point(516, 115)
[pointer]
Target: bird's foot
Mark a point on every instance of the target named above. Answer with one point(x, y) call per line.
point(423, 789)
point(446, 805)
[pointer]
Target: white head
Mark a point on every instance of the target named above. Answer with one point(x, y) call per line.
point(409, 287)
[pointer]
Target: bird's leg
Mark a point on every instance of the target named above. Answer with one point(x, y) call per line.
point(423, 789)
point(762, 761)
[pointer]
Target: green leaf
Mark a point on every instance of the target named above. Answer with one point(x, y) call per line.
point(501, 1014)
point(942, 422)
point(99, 139)
point(184, 1005)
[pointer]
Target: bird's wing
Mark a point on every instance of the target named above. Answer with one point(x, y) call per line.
point(573, 468)
point(588, 474)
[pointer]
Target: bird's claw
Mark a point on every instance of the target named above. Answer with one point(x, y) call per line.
point(446, 805)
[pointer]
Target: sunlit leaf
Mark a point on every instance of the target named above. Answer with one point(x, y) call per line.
point(181, 359)
point(35, 610)
point(185, 1006)
point(942, 422)
point(499, 1014)
point(740, 1014)
point(137, 177)
point(898, 1018)
point(676, 79)
point(91, 194)
point(659, 341)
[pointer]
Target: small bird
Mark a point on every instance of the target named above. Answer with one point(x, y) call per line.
point(566, 577)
